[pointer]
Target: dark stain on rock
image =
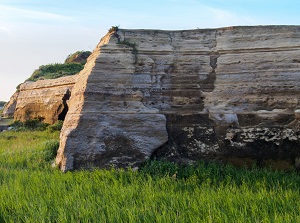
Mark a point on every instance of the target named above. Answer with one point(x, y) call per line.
point(191, 137)
point(267, 120)
point(118, 153)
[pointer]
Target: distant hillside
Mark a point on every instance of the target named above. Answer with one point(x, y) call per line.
point(72, 65)
point(2, 103)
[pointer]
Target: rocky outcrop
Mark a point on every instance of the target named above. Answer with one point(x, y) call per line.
point(229, 94)
point(78, 57)
point(44, 99)
point(10, 107)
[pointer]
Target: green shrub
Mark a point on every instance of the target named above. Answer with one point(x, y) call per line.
point(72, 65)
point(113, 29)
point(17, 124)
point(56, 126)
point(52, 71)
point(18, 87)
point(50, 151)
point(36, 124)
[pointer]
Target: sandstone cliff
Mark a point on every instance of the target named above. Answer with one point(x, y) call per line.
point(229, 94)
point(45, 99)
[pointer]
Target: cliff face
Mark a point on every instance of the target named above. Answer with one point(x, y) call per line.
point(229, 94)
point(45, 99)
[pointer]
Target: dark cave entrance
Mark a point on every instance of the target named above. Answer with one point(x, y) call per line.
point(64, 112)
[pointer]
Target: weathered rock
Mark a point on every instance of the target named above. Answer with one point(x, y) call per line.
point(107, 123)
point(10, 107)
point(229, 94)
point(78, 57)
point(44, 99)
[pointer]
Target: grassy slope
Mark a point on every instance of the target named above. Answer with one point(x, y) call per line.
point(31, 191)
point(72, 65)
point(52, 71)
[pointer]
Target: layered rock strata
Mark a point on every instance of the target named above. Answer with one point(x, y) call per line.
point(43, 99)
point(229, 94)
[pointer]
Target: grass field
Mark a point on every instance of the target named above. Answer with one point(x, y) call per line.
point(6, 121)
point(32, 191)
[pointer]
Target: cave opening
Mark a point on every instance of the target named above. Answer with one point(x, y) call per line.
point(64, 112)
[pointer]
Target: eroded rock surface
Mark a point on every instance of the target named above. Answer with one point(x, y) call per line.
point(108, 123)
point(44, 99)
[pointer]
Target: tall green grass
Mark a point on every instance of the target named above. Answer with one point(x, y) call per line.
point(32, 191)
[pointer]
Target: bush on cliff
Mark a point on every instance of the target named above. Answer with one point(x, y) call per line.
point(52, 71)
point(73, 65)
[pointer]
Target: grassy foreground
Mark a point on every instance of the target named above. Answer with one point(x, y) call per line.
point(32, 191)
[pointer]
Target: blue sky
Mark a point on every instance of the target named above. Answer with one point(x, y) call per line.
point(36, 32)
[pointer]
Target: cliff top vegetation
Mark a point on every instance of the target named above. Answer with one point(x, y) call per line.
point(72, 65)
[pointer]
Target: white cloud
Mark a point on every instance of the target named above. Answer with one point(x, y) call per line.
point(6, 31)
point(25, 13)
